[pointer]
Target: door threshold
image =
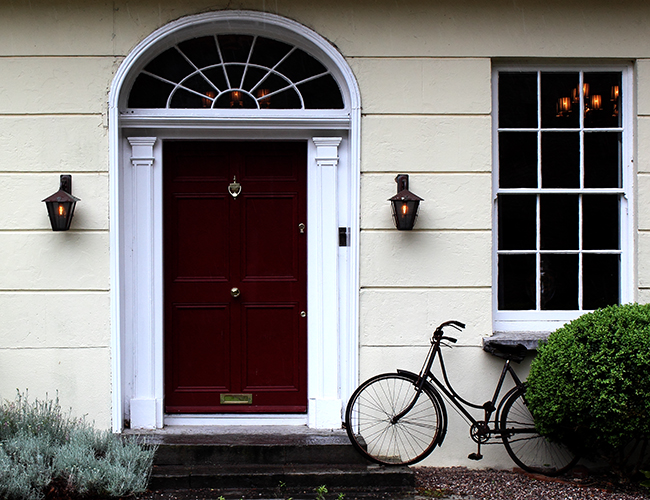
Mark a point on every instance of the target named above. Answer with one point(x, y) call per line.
point(191, 420)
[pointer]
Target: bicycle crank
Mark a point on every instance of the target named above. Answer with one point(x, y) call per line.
point(480, 432)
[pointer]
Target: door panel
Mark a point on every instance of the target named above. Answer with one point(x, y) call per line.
point(270, 236)
point(206, 352)
point(191, 259)
point(216, 343)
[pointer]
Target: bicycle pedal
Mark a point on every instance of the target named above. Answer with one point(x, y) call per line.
point(475, 456)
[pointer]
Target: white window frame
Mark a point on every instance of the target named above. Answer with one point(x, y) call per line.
point(538, 321)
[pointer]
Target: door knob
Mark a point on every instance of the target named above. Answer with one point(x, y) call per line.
point(235, 292)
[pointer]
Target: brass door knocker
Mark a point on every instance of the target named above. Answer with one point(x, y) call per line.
point(234, 188)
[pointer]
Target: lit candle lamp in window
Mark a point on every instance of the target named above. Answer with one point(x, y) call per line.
point(209, 98)
point(596, 102)
point(265, 102)
point(615, 94)
point(563, 106)
point(236, 99)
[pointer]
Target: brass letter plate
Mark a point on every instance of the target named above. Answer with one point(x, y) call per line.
point(236, 399)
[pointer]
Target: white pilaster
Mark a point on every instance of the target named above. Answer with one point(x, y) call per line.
point(324, 383)
point(146, 408)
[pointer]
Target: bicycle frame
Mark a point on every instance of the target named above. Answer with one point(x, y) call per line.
point(489, 407)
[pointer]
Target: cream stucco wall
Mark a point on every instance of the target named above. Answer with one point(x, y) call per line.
point(424, 70)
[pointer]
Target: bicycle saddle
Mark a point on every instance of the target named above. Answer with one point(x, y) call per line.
point(515, 353)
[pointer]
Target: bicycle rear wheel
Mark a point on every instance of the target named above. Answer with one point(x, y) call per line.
point(369, 420)
point(529, 449)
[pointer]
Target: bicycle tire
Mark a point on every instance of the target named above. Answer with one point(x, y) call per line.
point(529, 449)
point(369, 425)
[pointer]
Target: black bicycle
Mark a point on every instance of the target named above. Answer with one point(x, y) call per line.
point(399, 418)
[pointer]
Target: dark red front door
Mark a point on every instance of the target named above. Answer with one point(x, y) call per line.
point(235, 276)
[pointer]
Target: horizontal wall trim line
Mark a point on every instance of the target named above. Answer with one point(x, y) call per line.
point(425, 288)
point(40, 115)
point(446, 115)
point(55, 348)
point(46, 231)
point(436, 230)
point(415, 173)
point(103, 173)
point(79, 291)
point(426, 346)
point(62, 56)
point(55, 290)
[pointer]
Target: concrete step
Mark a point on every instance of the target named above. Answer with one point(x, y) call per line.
point(273, 480)
point(270, 462)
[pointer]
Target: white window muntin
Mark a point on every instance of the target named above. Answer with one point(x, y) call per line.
point(547, 320)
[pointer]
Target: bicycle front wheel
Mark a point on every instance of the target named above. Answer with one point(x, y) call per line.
point(529, 449)
point(370, 426)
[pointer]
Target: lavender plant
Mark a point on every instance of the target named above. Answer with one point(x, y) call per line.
point(46, 452)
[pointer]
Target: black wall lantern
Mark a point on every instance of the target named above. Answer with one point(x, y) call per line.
point(405, 204)
point(60, 205)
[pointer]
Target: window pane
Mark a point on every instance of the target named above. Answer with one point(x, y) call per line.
point(517, 222)
point(516, 282)
point(600, 280)
point(235, 48)
point(600, 222)
point(603, 160)
point(171, 65)
point(559, 221)
point(321, 93)
point(560, 160)
point(602, 104)
point(517, 159)
point(269, 52)
point(149, 92)
point(559, 282)
point(559, 108)
point(201, 51)
point(518, 100)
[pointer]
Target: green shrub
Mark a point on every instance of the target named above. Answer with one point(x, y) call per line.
point(589, 385)
point(45, 452)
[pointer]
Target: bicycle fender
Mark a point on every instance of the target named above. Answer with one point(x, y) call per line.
point(505, 398)
point(439, 400)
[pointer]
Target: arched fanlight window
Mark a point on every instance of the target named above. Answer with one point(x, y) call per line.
point(235, 71)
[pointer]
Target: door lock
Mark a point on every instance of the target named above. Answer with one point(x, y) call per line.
point(235, 292)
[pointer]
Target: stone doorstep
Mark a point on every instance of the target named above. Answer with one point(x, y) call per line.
point(257, 460)
point(271, 477)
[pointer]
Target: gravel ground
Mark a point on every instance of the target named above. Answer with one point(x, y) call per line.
point(489, 484)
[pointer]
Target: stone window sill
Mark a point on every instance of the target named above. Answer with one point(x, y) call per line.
point(528, 339)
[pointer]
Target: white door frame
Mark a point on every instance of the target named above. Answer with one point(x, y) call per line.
point(135, 141)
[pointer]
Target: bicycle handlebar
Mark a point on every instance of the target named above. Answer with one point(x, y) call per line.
point(456, 324)
point(438, 333)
